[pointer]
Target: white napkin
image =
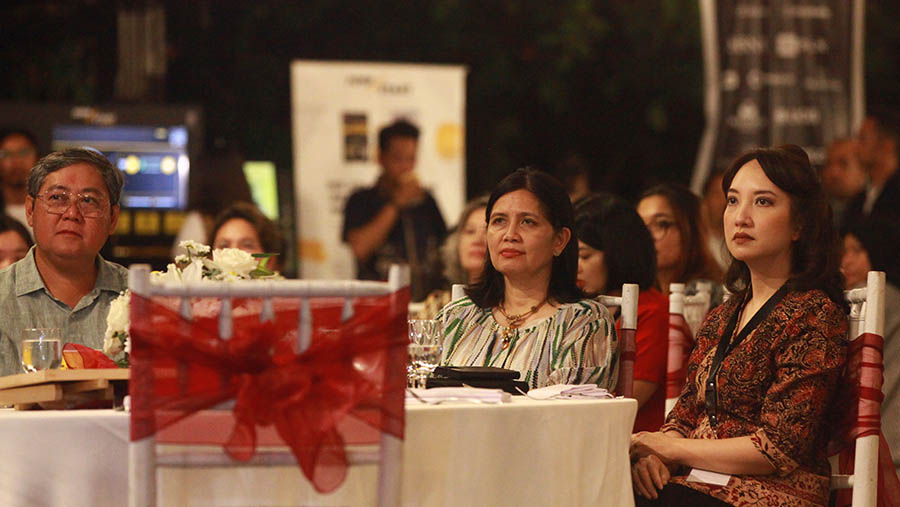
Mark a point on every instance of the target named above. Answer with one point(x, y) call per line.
point(460, 394)
point(567, 391)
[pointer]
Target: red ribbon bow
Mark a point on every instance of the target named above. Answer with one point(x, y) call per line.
point(862, 395)
point(352, 372)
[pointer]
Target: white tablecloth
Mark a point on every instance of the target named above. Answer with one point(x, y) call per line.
point(523, 453)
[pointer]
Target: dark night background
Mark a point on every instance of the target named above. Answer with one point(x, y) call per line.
point(619, 83)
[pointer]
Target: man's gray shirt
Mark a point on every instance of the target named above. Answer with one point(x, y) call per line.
point(26, 303)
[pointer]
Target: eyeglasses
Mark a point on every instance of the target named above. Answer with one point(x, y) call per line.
point(20, 153)
point(659, 228)
point(59, 201)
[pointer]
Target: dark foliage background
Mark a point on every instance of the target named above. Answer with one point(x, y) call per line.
point(619, 83)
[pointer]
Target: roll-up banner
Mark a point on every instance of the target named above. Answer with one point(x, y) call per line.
point(337, 109)
point(779, 72)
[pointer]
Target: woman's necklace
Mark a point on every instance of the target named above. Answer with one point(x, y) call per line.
point(514, 321)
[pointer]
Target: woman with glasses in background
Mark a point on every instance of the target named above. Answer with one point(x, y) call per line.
point(672, 214)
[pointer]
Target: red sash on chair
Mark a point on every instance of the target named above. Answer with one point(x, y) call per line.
point(352, 374)
point(863, 378)
point(681, 342)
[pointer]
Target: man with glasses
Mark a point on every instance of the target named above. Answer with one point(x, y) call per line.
point(63, 282)
point(18, 154)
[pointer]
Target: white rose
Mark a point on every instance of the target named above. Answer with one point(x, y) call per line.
point(193, 272)
point(234, 263)
point(112, 346)
point(118, 318)
point(193, 248)
point(171, 275)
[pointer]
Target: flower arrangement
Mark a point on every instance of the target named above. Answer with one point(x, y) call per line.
point(201, 263)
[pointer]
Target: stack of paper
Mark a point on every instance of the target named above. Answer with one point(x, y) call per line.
point(565, 391)
point(474, 394)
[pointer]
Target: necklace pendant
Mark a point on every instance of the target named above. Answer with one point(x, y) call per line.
point(507, 337)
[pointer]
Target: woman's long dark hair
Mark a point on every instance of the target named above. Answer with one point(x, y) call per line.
point(609, 224)
point(698, 262)
point(489, 290)
point(815, 254)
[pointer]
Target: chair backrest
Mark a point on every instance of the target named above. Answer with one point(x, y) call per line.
point(866, 335)
point(144, 458)
point(681, 333)
point(628, 303)
point(457, 291)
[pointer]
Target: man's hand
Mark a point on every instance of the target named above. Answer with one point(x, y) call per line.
point(649, 475)
point(407, 192)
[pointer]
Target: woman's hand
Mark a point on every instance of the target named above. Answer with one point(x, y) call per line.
point(648, 443)
point(648, 475)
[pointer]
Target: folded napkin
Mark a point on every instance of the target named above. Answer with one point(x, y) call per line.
point(566, 391)
point(478, 394)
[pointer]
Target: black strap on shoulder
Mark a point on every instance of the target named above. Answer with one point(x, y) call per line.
point(729, 342)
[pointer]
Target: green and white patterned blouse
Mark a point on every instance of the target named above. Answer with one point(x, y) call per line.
point(576, 345)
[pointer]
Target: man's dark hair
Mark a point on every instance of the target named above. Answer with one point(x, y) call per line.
point(610, 224)
point(556, 207)
point(400, 128)
point(112, 177)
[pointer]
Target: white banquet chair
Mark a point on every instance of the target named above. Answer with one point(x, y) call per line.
point(628, 303)
point(147, 455)
point(681, 334)
point(866, 318)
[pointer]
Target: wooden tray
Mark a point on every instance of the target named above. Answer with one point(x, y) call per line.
point(60, 389)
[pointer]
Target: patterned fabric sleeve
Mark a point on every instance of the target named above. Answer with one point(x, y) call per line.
point(808, 360)
point(687, 411)
point(585, 347)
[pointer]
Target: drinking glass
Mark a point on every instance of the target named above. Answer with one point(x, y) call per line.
point(425, 339)
point(41, 349)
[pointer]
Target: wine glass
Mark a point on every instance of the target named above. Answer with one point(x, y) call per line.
point(41, 349)
point(424, 350)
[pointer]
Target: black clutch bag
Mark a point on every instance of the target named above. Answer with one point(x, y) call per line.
point(477, 376)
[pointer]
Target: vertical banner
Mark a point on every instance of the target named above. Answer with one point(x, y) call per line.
point(337, 109)
point(777, 72)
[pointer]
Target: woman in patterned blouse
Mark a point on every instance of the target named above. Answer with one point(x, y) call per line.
point(762, 378)
point(526, 312)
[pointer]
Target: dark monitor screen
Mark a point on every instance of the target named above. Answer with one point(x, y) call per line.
point(153, 159)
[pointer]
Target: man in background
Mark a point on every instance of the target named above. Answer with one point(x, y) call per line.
point(18, 154)
point(72, 205)
point(878, 156)
point(396, 220)
point(843, 176)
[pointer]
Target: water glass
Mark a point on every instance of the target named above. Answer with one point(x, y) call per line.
point(425, 338)
point(41, 349)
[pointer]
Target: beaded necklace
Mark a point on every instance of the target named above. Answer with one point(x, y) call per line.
point(514, 321)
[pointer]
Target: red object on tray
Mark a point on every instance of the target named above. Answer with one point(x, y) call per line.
point(79, 357)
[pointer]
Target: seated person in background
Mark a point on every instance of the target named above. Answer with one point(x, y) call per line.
point(243, 226)
point(72, 207)
point(762, 380)
point(614, 247)
point(843, 176)
point(874, 245)
point(15, 240)
point(672, 213)
point(18, 154)
point(712, 205)
point(526, 312)
point(463, 254)
point(396, 220)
